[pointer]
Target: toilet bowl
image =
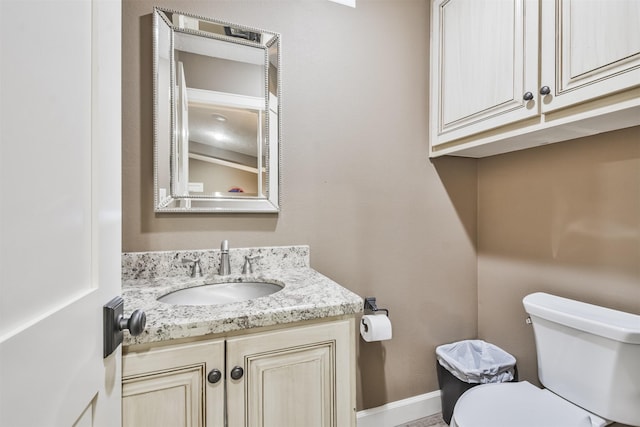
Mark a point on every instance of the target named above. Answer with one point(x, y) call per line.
point(588, 362)
point(519, 405)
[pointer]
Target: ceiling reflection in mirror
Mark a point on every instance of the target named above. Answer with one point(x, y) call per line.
point(216, 115)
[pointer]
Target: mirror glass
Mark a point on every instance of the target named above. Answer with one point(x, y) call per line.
point(216, 115)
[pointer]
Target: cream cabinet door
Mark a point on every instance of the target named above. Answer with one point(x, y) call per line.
point(484, 61)
point(170, 387)
point(589, 49)
point(296, 377)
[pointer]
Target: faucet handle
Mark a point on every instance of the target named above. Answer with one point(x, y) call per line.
point(248, 263)
point(196, 268)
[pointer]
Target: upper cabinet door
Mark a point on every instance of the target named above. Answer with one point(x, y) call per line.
point(589, 49)
point(485, 59)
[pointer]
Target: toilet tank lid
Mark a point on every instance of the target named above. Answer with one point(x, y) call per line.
point(602, 321)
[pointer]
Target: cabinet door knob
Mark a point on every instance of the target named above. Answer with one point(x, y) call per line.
point(214, 376)
point(237, 372)
point(528, 96)
point(545, 90)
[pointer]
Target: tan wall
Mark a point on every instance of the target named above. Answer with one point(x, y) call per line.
point(380, 218)
point(563, 219)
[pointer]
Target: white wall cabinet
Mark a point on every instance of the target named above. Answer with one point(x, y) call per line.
point(513, 74)
point(287, 377)
point(480, 52)
point(590, 49)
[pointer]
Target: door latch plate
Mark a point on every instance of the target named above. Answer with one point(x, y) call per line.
point(112, 313)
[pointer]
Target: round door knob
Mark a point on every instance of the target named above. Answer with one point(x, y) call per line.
point(135, 324)
point(214, 376)
point(237, 372)
point(545, 90)
point(528, 96)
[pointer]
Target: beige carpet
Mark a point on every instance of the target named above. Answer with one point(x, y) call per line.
point(432, 421)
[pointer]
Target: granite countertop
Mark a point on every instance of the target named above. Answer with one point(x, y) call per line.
point(306, 295)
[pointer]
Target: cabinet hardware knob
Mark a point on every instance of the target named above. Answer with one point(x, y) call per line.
point(237, 372)
point(545, 90)
point(135, 324)
point(528, 96)
point(214, 376)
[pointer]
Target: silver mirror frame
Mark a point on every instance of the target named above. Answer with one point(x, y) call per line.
point(272, 131)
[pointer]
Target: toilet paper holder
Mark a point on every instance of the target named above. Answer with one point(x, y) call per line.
point(370, 304)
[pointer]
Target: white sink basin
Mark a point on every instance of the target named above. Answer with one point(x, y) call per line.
point(220, 293)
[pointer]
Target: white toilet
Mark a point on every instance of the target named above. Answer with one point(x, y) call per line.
point(588, 361)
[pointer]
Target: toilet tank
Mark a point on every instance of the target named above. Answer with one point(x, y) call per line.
point(589, 355)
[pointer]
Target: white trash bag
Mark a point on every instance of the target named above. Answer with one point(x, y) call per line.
point(477, 362)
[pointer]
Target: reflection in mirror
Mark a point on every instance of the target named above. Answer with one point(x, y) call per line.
point(216, 116)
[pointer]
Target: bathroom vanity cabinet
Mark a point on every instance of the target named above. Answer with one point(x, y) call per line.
point(291, 376)
point(284, 359)
point(512, 75)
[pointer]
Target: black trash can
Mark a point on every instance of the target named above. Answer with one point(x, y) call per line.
point(465, 364)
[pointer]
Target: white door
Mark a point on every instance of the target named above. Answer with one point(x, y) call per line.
point(181, 156)
point(60, 211)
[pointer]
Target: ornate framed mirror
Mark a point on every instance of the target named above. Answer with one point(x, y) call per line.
point(217, 97)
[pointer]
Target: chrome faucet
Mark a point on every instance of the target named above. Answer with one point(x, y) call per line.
point(225, 268)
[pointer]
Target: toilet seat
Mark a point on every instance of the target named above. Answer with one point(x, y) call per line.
point(518, 404)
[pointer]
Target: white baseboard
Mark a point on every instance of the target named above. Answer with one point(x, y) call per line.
point(401, 411)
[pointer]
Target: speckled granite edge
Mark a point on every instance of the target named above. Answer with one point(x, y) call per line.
point(149, 265)
point(306, 295)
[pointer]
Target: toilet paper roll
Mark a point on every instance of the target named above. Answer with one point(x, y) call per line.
point(375, 327)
